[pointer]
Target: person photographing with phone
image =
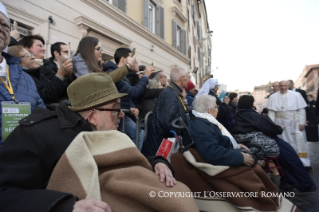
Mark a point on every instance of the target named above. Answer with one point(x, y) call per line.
point(121, 57)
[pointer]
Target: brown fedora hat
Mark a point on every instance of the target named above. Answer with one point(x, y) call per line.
point(91, 90)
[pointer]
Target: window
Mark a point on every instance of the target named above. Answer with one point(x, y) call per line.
point(154, 17)
point(179, 37)
point(151, 16)
point(121, 4)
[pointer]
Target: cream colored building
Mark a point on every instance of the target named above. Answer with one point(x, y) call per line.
point(199, 41)
point(156, 28)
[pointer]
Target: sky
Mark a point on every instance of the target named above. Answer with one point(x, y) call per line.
point(257, 41)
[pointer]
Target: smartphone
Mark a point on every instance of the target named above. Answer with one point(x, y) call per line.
point(133, 52)
point(152, 63)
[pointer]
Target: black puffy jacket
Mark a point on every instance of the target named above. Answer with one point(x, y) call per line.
point(168, 107)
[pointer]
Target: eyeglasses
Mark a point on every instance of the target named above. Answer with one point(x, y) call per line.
point(118, 110)
point(99, 49)
point(217, 106)
point(27, 55)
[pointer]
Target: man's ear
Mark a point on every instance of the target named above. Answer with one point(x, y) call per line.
point(92, 118)
point(55, 54)
point(122, 60)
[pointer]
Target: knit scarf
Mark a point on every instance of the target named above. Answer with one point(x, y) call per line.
point(223, 130)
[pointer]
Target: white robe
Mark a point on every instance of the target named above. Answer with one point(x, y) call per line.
point(288, 110)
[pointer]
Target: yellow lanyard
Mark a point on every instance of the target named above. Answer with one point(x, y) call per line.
point(9, 88)
point(179, 98)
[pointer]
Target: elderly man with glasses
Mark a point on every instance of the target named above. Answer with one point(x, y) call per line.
point(32, 150)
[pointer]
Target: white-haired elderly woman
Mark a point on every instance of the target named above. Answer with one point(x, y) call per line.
point(212, 140)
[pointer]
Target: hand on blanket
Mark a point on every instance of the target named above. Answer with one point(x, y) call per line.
point(242, 146)
point(91, 205)
point(248, 160)
point(165, 174)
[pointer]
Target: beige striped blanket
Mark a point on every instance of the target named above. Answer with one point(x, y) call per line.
point(107, 166)
point(231, 189)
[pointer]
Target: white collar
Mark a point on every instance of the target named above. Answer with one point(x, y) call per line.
point(3, 65)
point(3, 69)
point(57, 64)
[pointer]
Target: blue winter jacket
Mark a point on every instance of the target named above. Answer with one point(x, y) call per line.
point(124, 86)
point(212, 145)
point(190, 98)
point(23, 87)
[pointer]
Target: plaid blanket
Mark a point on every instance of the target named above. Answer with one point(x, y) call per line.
point(249, 189)
point(107, 166)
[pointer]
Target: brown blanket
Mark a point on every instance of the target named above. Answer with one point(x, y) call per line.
point(107, 166)
point(207, 180)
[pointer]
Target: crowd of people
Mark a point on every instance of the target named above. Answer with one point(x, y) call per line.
point(89, 94)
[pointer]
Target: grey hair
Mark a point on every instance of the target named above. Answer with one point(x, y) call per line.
point(153, 84)
point(177, 73)
point(202, 103)
point(158, 76)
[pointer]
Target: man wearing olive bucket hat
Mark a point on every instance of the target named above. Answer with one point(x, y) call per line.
point(30, 153)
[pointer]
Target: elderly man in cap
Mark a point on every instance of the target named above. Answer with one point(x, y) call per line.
point(30, 153)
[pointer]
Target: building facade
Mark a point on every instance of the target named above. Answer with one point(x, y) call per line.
point(199, 41)
point(260, 95)
point(156, 28)
point(309, 80)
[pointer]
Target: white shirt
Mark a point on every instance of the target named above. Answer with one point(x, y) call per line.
point(57, 64)
point(3, 70)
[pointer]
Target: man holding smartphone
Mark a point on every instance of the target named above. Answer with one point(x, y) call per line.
point(59, 65)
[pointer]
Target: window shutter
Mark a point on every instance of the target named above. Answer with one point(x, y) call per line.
point(200, 31)
point(193, 13)
point(183, 41)
point(115, 3)
point(146, 4)
point(121, 4)
point(160, 21)
point(174, 32)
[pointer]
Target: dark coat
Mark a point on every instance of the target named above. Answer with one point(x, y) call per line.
point(223, 115)
point(312, 113)
point(303, 94)
point(212, 145)
point(232, 108)
point(248, 120)
point(51, 91)
point(124, 86)
point(49, 68)
point(29, 155)
point(133, 77)
point(147, 103)
point(168, 107)
point(190, 98)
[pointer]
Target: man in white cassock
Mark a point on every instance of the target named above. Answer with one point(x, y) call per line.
point(287, 109)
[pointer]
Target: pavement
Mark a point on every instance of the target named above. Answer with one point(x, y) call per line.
point(307, 202)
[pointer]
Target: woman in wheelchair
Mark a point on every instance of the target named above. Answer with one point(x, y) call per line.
point(212, 138)
point(248, 120)
point(218, 164)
